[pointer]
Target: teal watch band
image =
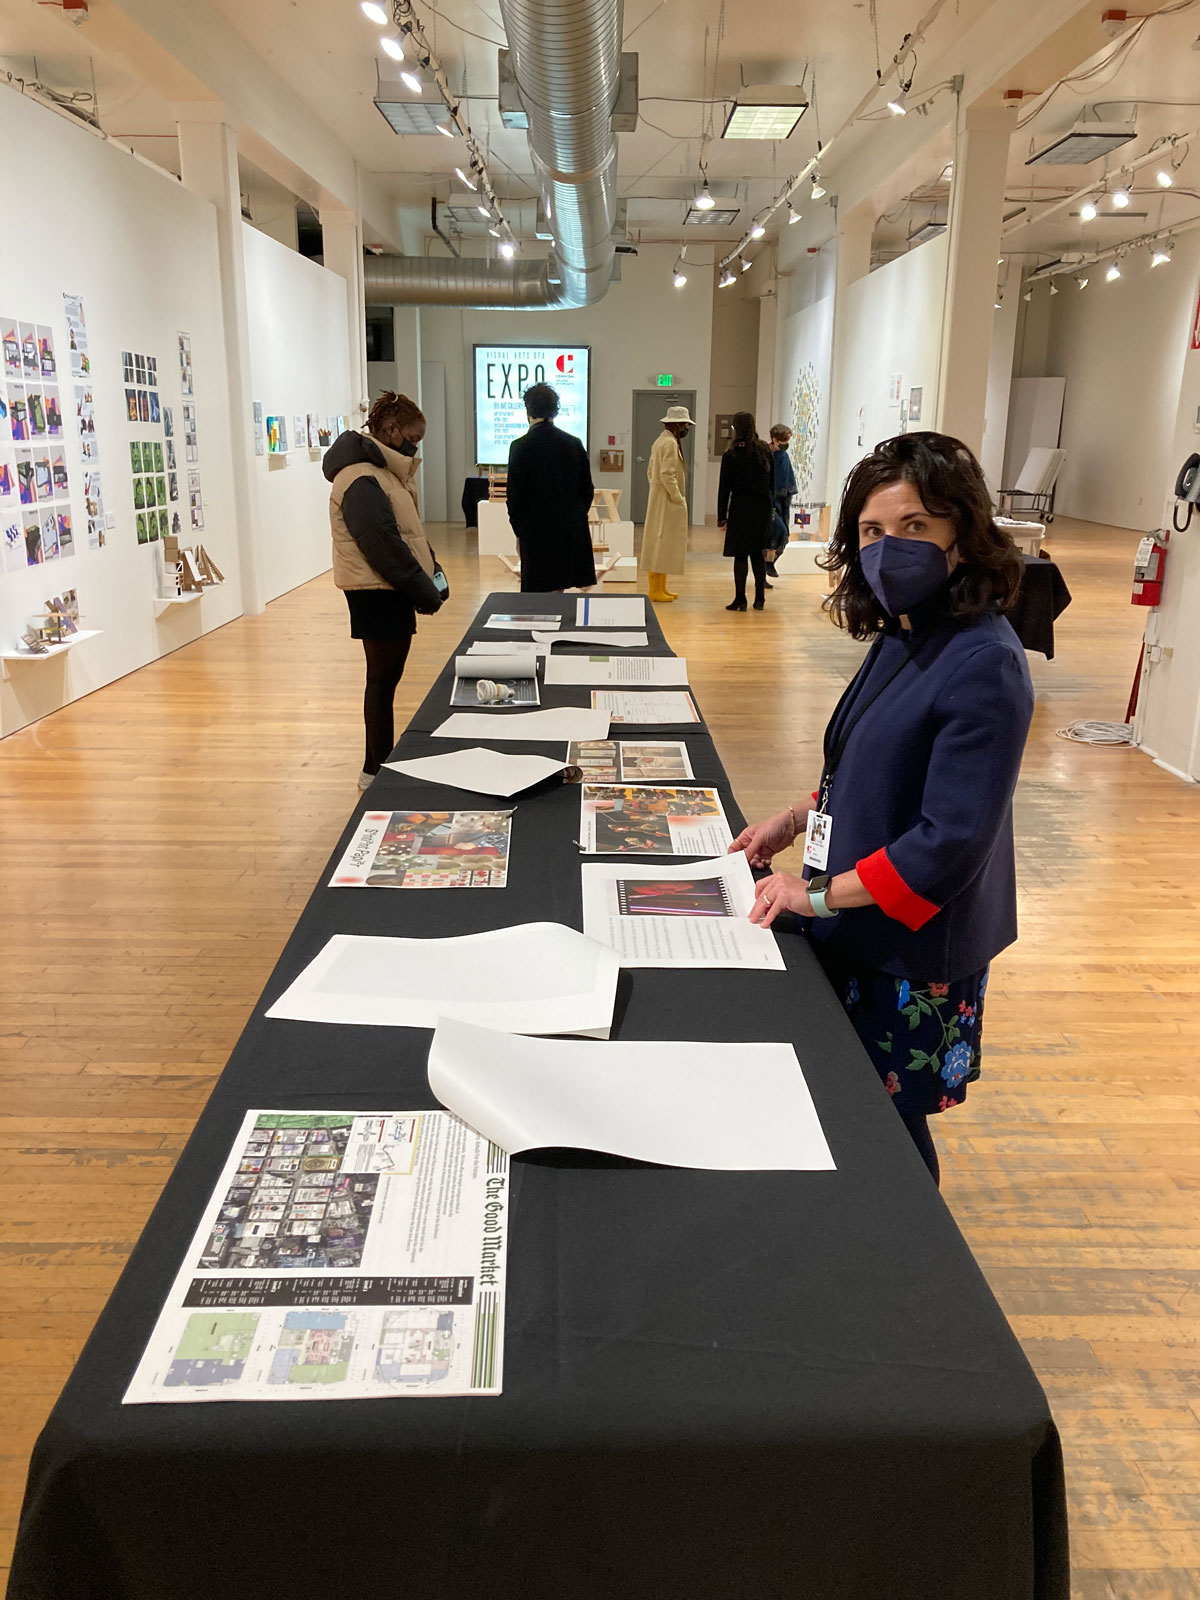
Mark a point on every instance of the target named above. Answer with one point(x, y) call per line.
point(818, 888)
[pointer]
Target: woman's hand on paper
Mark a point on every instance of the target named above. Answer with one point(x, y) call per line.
point(762, 840)
point(782, 891)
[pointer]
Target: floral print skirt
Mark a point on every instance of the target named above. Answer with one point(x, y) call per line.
point(924, 1039)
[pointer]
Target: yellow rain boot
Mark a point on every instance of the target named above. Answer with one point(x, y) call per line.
point(658, 587)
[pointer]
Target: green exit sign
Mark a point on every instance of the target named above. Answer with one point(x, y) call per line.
point(665, 380)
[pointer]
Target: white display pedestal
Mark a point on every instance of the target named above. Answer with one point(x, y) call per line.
point(1027, 536)
point(799, 556)
point(496, 537)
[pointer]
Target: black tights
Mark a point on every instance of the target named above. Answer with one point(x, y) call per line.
point(385, 668)
point(917, 1124)
point(740, 564)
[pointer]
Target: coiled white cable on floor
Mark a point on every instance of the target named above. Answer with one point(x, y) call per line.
point(1098, 732)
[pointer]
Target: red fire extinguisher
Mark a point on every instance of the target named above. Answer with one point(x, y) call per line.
point(1148, 567)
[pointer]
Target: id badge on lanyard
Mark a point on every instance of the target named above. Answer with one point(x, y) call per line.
point(817, 836)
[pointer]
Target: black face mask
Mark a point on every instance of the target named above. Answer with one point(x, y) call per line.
point(407, 448)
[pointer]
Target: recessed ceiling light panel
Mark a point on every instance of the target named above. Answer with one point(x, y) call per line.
point(718, 217)
point(765, 111)
point(1085, 142)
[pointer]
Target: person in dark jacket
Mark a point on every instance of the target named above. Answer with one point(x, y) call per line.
point(745, 508)
point(783, 487)
point(911, 889)
point(549, 497)
point(381, 557)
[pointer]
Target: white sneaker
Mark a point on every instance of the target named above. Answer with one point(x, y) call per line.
point(365, 780)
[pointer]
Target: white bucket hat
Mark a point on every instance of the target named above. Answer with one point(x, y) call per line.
point(677, 414)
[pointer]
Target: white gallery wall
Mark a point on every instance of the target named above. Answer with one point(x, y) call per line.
point(141, 252)
point(1121, 347)
point(893, 328)
point(804, 350)
point(642, 327)
point(299, 363)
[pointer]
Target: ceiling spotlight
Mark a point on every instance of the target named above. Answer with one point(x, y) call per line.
point(1113, 273)
point(1163, 178)
point(704, 201)
point(445, 128)
point(997, 306)
point(1120, 198)
point(727, 278)
point(1000, 261)
point(392, 47)
point(1053, 288)
point(374, 13)
point(746, 265)
point(1162, 256)
point(483, 211)
point(508, 250)
point(818, 192)
point(679, 279)
point(896, 106)
point(795, 215)
point(1081, 279)
point(465, 179)
point(1087, 211)
point(757, 231)
point(495, 233)
point(1027, 296)
point(411, 81)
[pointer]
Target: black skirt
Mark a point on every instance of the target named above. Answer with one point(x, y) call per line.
point(380, 614)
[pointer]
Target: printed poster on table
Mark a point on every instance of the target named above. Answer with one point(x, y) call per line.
point(616, 761)
point(645, 707)
point(342, 1255)
point(426, 850)
point(645, 820)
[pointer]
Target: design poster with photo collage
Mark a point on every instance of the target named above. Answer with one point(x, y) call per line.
point(85, 420)
point(191, 432)
point(35, 487)
point(146, 414)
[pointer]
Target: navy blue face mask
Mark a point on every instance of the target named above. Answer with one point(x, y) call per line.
point(902, 573)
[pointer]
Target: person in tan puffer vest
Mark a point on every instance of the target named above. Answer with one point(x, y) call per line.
point(382, 560)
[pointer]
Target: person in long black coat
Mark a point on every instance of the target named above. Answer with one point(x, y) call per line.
point(745, 508)
point(549, 496)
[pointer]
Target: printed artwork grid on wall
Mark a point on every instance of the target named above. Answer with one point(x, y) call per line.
point(277, 440)
point(260, 436)
point(147, 455)
point(85, 419)
point(191, 438)
point(35, 485)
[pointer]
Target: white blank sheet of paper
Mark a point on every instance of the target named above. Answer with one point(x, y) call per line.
point(480, 771)
point(730, 1107)
point(554, 725)
point(540, 977)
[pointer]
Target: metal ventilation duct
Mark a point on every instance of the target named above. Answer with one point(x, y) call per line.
point(566, 57)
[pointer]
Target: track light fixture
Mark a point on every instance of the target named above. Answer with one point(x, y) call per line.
point(1160, 255)
point(757, 231)
point(1113, 273)
point(1053, 288)
point(897, 106)
point(1081, 279)
point(795, 215)
point(704, 200)
point(1120, 197)
point(507, 249)
point(746, 265)
point(1087, 211)
point(374, 13)
point(392, 47)
point(679, 276)
point(1163, 178)
point(726, 279)
point(484, 212)
point(411, 81)
point(1027, 296)
point(461, 174)
point(818, 191)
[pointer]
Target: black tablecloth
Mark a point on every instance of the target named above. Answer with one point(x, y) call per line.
point(1044, 596)
point(474, 490)
point(717, 1385)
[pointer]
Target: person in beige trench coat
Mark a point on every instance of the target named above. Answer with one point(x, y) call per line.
point(665, 533)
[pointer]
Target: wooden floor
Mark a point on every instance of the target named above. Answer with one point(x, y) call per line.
point(160, 838)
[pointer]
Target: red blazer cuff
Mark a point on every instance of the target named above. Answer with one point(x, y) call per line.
point(892, 895)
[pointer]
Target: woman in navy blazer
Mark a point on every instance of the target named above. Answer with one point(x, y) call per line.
point(918, 891)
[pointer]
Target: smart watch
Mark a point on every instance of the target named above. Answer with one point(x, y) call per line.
point(818, 888)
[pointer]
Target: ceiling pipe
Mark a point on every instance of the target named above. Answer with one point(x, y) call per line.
point(566, 57)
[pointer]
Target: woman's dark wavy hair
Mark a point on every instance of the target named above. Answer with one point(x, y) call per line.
point(745, 436)
point(950, 483)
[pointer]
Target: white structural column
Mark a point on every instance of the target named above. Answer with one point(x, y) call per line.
point(768, 323)
point(209, 167)
point(976, 213)
point(342, 252)
point(854, 231)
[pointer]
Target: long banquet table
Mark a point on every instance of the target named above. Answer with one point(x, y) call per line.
point(717, 1385)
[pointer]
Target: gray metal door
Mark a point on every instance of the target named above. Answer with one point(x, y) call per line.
point(649, 407)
